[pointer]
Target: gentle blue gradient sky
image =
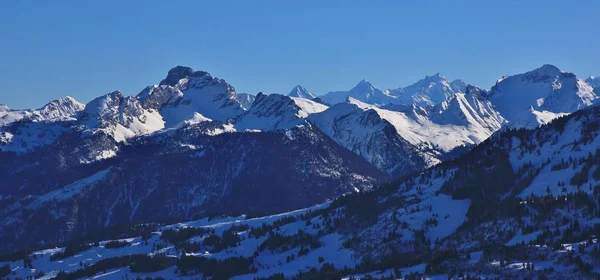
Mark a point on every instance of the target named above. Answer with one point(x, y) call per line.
point(50, 49)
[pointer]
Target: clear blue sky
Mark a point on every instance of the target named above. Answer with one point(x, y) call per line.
point(50, 49)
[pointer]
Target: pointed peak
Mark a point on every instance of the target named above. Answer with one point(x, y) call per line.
point(364, 84)
point(302, 92)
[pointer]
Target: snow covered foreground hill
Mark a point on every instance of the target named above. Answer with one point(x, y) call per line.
point(523, 204)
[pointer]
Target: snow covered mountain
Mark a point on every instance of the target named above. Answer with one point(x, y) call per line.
point(364, 91)
point(185, 92)
point(58, 109)
point(403, 139)
point(540, 95)
point(190, 147)
point(277, 112)
point(120, 117)
point(301, 92)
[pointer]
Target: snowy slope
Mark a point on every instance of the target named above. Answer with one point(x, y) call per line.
point(301, 92)
point(531, 118)
point(544, 89)
point(421, 131)
point(277, 112)
point(470, 109)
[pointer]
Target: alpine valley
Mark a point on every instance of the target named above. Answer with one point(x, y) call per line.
point(189, 179)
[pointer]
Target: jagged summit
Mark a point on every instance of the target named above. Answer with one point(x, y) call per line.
point(363, 85)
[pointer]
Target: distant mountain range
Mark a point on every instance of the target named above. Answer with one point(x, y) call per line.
point(193, 146)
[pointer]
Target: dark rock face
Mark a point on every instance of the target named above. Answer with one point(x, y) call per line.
point(175, 74)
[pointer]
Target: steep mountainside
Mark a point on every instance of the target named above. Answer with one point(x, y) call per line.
point(366, 133)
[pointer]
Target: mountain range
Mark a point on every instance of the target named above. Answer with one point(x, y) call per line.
point(469, 160)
